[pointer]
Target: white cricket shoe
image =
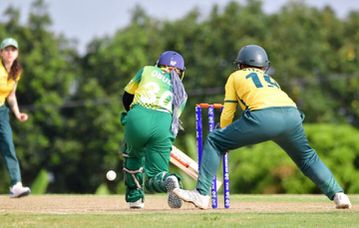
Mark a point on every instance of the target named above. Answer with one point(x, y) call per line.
point(17, 190)
point(342, 201)
point(139, 204)
point(173, 200)
point(193, 197)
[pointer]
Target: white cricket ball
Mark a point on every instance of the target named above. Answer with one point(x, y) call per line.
point(111, 175)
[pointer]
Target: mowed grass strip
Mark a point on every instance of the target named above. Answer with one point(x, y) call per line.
point(247, 211)
point(172, 219)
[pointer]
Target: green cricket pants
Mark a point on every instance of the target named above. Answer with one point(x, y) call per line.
point(149, 141)
point(7, 148)
point(283, 125)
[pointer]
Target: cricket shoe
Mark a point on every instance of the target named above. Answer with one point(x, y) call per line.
point(17, 190)
point(173, 200)
point(193, 197)
point(342, 201)
point(139, 204)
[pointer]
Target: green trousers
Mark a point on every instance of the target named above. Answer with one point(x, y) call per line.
point(7, 148)
point(283, 125)
point(149, 141)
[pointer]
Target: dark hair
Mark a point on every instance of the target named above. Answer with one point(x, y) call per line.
point(242, 66)
point(15, 70)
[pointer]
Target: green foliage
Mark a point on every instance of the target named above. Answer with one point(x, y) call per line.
point(39, 186)
point(102, 190)
point(339, 149)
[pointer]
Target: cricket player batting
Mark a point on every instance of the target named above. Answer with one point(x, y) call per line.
point(154, 100)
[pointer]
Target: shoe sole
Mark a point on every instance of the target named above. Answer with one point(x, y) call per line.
point(346, 206)
point(21, 195)
point(173, 200)
point(194, 204)
point(139, 206)
point(136, 207)
point(191, 202)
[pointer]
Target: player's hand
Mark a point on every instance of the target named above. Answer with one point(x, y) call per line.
point(22, 117)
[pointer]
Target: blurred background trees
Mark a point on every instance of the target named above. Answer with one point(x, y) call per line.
point(73, 136)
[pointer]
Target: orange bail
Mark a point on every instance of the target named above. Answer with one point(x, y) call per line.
point(206, 105)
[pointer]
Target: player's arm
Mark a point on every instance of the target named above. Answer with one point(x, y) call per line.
point(127, 99)
point(230, 103)
point(14, 107)
point(130, 90)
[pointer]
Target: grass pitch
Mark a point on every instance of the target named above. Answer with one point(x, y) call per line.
point(110, 211)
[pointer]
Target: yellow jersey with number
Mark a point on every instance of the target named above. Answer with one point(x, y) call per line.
point(6, 86)
point(252, 89)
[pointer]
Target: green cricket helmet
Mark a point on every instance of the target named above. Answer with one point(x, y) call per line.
point(252, 55)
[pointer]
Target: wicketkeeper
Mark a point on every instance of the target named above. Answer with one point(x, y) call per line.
point(268, 114)
point(154, 99)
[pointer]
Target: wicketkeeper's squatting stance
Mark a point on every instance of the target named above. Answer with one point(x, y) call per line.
point(154, 99)
point(268, 114)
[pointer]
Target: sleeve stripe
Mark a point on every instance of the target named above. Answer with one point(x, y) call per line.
point(231, 101)
point(244, 103)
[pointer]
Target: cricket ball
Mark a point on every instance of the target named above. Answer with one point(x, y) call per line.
point(111, 175)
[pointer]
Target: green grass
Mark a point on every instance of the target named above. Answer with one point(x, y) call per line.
point(198, 218)
point(337, 219)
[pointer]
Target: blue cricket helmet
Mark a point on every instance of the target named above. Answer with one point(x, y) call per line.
point(172, 59)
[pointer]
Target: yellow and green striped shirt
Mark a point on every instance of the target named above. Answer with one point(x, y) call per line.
point(152, 88)
point(252, 89)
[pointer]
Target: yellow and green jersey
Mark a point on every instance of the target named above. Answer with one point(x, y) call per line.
point(252, 89)
point(6, 86)
point(152, 88)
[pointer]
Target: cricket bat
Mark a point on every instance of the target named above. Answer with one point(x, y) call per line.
point(186, 164)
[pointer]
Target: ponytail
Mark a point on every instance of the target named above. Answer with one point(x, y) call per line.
point(15, 70)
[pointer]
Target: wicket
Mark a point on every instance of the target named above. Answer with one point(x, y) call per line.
point(199, 137)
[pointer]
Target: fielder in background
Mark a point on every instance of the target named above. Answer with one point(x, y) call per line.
point(268, 114)
point(154, 100)
point(10, 72)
